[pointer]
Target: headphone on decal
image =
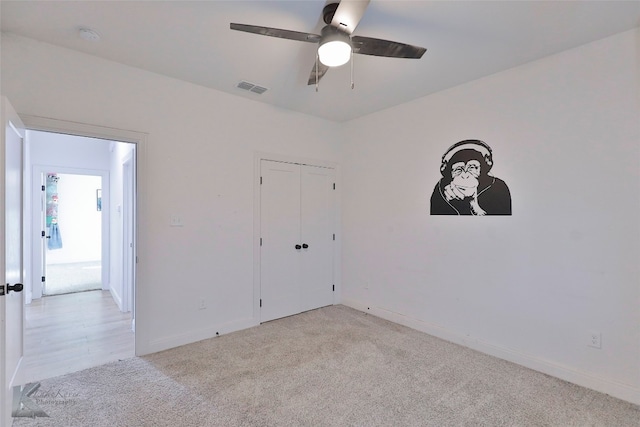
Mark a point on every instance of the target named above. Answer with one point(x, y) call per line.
point(468, 144)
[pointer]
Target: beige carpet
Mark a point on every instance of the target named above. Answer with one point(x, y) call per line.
point(329, 367)
point(73, 277)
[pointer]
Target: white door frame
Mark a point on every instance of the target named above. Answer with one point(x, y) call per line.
point(337, 253)
point(128, 235)
point(140, 140)
point(38, 253)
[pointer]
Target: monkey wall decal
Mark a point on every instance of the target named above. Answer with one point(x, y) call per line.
point(466, 188)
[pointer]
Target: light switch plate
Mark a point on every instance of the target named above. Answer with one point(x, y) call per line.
point(175, 221)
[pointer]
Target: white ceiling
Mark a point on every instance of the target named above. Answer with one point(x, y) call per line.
point(191, 41)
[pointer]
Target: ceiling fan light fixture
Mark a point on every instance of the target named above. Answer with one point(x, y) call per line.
point(335, 53)
point(335, 47)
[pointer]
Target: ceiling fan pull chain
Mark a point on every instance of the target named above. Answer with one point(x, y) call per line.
point(352, 85)
point(317, 65)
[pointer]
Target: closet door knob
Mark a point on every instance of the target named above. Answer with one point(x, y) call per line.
point(298, 247)
point(305, 246)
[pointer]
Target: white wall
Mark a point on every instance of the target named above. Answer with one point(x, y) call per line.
point(199, 165)
point(64, 151)
point(565, 132)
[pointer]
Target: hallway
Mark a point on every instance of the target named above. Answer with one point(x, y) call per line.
point(68, 333)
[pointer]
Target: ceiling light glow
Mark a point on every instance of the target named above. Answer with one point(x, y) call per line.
point(334, 53)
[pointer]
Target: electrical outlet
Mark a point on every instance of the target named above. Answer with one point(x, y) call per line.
point(595, 339)
point(203, 305)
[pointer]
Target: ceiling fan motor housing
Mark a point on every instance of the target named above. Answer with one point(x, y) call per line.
point(330, 33)
point(328, 11)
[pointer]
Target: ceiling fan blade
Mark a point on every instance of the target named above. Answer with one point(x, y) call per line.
point(387, 48)
point(322, 70)
point(277, 32)
point(348, 14)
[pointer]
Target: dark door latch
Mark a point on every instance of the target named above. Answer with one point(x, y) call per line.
point(15, 288)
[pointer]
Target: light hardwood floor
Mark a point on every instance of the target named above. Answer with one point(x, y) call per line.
point(68, 333)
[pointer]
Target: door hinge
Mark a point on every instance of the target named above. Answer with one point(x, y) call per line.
point(334, 185)
point(260, 302)
point(43, 278)
point(43, 234)
point(334, 236)
point(260, 180)
point(43, 188)
point(261, 241)
point(334, 288)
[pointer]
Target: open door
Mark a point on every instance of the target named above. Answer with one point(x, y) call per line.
point(11, 259)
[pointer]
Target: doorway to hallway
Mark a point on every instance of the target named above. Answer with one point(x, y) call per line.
point(82, 235)
point(73, 229)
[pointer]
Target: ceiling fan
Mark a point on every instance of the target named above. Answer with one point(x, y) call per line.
point(335, 42)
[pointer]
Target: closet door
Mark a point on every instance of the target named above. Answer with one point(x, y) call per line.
point(280, 233)
point(316, 233)
point(296, 228)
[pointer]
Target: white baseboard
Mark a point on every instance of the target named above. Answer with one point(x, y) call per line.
point(116, 297)
point(19, 374)
point(196, 335)
point(616, 389)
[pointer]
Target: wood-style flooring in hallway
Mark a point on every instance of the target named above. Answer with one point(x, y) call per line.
point(72, 332)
